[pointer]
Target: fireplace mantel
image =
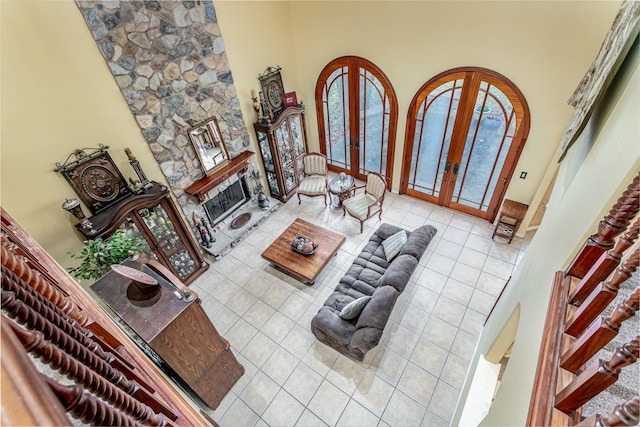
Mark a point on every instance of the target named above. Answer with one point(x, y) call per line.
point(201, 187)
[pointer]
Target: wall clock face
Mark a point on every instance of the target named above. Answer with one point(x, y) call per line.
point(271, 82)
point(95, 179)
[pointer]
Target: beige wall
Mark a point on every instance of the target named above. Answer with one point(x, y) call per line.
point(543, 47)
point(57, 95)
point(591, 178)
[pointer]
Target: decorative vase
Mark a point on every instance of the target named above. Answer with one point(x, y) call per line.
point(263, 200)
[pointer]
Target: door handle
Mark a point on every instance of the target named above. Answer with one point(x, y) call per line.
point(357, 144)
point(447, 167)
point(455, 169)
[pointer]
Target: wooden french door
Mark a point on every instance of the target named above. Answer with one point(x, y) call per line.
point(357, 114)
point(466, 129)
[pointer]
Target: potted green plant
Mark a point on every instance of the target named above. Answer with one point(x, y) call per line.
point(98, 255)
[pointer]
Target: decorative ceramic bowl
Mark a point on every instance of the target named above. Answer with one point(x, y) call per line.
point(304, 245)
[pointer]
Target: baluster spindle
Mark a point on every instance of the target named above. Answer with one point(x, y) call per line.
point(86, 407)
point(597, 377)
point(605, 265)
point(626, 414)
point(84, 371)
point(600, 333)
point(24, 272)
point(602, 296)
point(612, 225)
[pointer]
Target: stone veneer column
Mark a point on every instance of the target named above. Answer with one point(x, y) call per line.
point(169, 60)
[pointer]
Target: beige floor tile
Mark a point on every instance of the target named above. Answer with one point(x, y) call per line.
point(472, 258)
point(504, 252)
point(449, 311)
point(454, 371)
point(439, 332)
point(284, 410)
point(241, 301)
point(482, 302)
point(444, 400)
point(432, 280)
point(403, 411)
point(498, 267)
point(373, 393)
point(432, 420)
point(303, 383)
point(298, 341)
point(259, 393)
point(280, 365)
point(275, 295)
point(346, 374)
point(418, 384)
point(259, 349)
point(441, 264)
point(239, 414)
point(463, 222)
point(441, 215)
point(224, 319)
point(388, 365)
point(464, 344)
point(412, 317)
point(294, 307)
point(320, 358)
point(490, 284)
point(356, 415)
point(465, 274)
point(278, 327)
point(423, 299)
point(472, 322)
point(429, 356)
point(259, 313)
point(328, 403)
point(402, 340)
point(457, 291)
point(455, 234)
point(240, 334)
point(309, 419)
point(479, 243)
point(448, 249)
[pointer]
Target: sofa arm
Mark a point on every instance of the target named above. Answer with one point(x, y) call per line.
point(418, 241)
point(374, 318)
point(399, 272)
point(331, 325)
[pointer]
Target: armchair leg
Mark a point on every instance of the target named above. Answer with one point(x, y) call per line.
point(361, 226)
point(299, 201)
point(324, 196)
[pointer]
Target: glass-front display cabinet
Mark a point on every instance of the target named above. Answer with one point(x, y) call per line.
point(282, 144)
point(153, 216)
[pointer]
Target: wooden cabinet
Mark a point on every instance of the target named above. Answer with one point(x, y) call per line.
point(174, 331)
point(154, 216)
point(282, 144)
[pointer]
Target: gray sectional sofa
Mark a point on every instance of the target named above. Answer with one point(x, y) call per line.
point(370, 275)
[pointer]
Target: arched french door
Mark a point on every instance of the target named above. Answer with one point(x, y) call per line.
point(357, 114)
point(466, 128)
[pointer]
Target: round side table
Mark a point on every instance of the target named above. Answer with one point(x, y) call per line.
point(339, 189)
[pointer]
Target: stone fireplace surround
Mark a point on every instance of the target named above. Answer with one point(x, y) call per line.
point(168, 59)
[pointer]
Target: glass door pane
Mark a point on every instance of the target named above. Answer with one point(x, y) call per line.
point(335, 101)
point(486, 146)
point(374, 112)
point(432, 138)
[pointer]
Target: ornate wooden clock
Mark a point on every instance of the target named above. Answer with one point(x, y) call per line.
point(94, 177)
point(271, 82)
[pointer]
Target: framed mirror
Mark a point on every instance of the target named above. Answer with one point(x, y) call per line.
point(209, 146)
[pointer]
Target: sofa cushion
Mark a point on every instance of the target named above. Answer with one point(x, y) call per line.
point(393, 244)
point(354, 308)
point(399, 272)
point(418, 241)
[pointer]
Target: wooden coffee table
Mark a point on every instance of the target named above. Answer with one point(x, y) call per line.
point(305, 267)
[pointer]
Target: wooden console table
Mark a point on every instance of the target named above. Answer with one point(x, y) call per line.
point(201, 187)
point(174, 330)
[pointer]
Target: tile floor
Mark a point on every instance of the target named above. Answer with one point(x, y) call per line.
point(412, 378)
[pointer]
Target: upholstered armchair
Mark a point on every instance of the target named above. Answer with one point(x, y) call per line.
point(368, 202)
point(314, 182)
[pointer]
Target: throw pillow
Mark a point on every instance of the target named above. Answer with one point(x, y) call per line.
point(354, 308)
point(393, 244)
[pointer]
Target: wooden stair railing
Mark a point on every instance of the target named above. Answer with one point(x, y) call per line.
point(576, 329)
point(49, 316)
